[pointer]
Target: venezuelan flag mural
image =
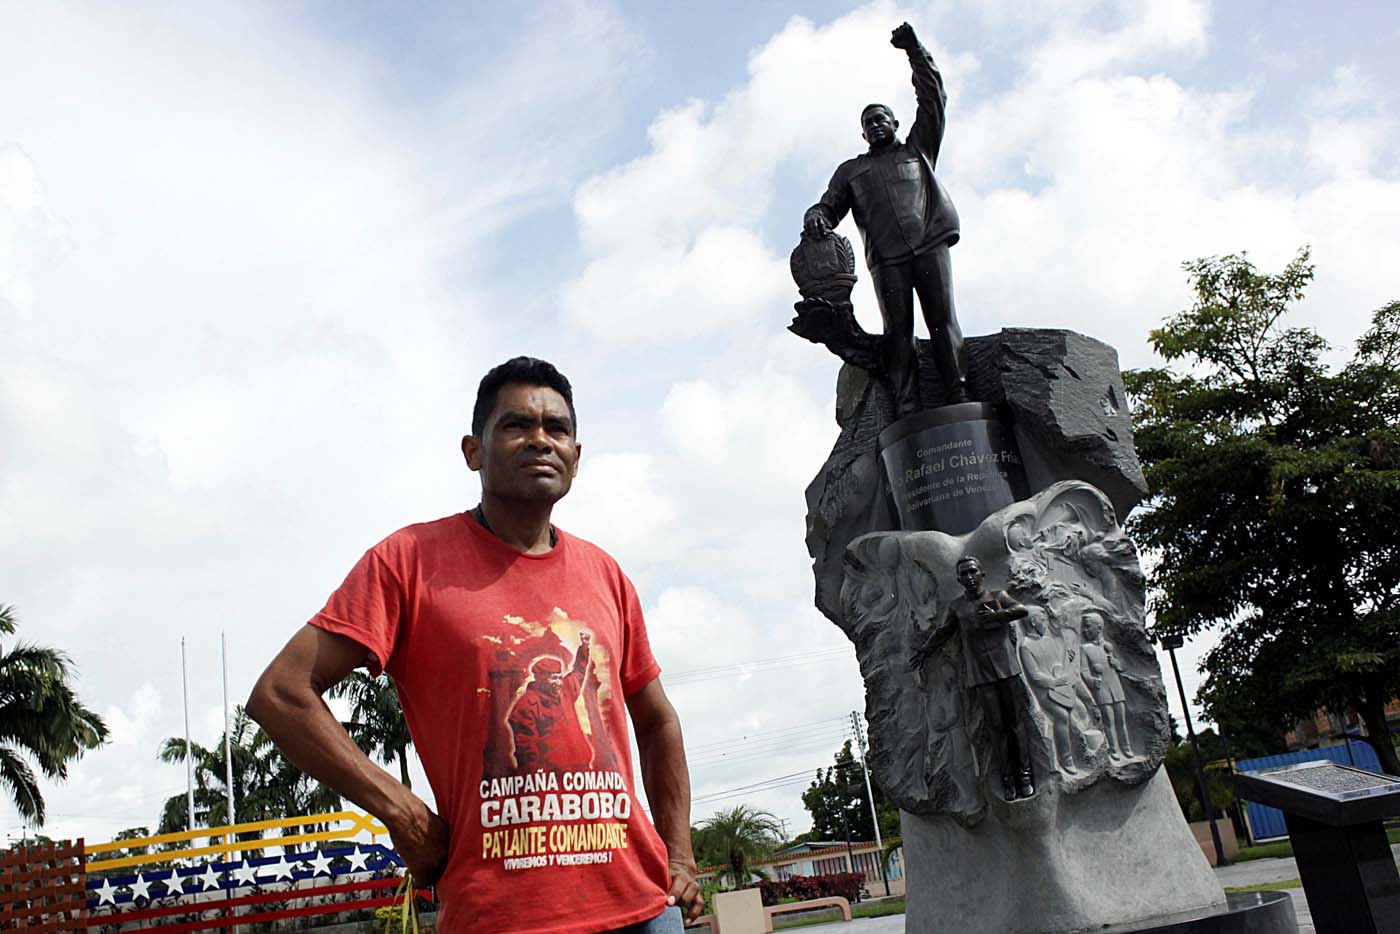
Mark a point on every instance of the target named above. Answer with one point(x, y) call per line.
point(210, 879)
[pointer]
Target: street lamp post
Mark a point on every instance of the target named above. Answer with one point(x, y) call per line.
point(1171, 644)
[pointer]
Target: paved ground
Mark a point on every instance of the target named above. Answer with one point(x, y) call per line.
point(1253, 872)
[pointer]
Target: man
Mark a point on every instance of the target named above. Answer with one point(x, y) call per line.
point(991, 667)
point(1101, 667)
point(1052, 677)
point(555, 847)
point(908, 223)
point(544, 721)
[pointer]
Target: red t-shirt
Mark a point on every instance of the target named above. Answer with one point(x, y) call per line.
point(523, 735)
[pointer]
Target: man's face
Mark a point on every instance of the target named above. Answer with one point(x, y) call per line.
point(970, 576)
point(1090, 625)
point(527, 449)
point(552, 683)
point(877, 127)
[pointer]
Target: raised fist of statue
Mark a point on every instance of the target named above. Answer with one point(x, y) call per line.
point(903, 37)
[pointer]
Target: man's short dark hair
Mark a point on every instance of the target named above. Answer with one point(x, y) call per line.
point(531, 371)
point(870, 107)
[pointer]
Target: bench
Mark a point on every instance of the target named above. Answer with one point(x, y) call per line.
point(832, 902)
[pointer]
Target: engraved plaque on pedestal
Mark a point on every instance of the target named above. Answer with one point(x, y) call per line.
point(951, 467)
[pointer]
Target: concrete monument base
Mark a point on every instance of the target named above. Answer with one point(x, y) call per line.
point(1057, 864)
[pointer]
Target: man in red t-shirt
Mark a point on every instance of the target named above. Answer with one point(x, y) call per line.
point(474, 616)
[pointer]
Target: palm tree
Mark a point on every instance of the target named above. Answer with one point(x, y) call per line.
point(376, 720)
point(41, 719)
point(738, 836)
point(265, 784)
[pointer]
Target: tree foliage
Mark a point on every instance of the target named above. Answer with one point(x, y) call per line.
point(42, 722)
point(265, 784)
point(377, 723)
point(737, 838)
point(837, 799)
point(1275, 516)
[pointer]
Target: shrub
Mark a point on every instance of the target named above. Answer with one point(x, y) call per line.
point(847, 885)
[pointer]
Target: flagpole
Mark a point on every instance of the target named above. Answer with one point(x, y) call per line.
point(228, 763)
point(189, 749)
point(228, 742)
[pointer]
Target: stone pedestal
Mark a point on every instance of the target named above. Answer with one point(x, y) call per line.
point(951, 467)
point(1057, 863)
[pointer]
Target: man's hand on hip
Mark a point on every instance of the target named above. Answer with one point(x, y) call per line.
point(685, 891)
point(421, 841)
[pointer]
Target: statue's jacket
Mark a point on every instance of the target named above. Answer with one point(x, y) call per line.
point(901, 209)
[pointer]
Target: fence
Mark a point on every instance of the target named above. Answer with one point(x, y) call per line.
point(41, 888)
point(200, 880)
point(1266, 823)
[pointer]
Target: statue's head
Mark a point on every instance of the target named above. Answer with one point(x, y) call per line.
point(1091, 625)
point(969, 571)
point(1036, 619)
point(878, 125)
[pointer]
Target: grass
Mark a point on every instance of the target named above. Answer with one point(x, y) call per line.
point(1266, 886)
point(868, 909)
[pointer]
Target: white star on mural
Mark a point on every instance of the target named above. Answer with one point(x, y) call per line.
point(319, 864)
point(246, 874)
point(107, 893)
point(358, 859)
point(210, 879)
point(174, 883)
point(140, 889)
point(282, 869)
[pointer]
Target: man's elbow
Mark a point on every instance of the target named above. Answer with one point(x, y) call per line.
point(270, 701)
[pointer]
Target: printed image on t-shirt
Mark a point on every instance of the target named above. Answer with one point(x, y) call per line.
point(551, 793)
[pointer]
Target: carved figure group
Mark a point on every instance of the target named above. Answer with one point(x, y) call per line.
point(1043, 682)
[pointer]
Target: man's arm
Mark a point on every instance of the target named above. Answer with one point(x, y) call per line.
point(667, 781)
point(927, 131)
point(287, 702)
point(828, 212)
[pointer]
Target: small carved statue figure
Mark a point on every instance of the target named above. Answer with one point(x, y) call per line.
point(1048, 671)
point(986, 620)
point(908, 223)
point(1101, 667)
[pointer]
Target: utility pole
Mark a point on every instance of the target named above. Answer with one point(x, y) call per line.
point(1171, 645)
point(870, 796)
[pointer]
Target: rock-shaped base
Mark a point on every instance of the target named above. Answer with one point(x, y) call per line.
point(1057, 864)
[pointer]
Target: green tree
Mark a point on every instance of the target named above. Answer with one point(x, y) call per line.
point(376, 724)
point(839, 792)
point(41, 720)
point(1181, 769)
point(737, 838)
point(1276, 500)
point(265, 784)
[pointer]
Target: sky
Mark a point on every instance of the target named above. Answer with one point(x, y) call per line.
point(254, 259)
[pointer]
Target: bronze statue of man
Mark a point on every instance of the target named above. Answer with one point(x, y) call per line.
point(991, 667)
point(908, 223)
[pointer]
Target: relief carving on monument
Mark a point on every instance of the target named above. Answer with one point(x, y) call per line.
point(1057, 682)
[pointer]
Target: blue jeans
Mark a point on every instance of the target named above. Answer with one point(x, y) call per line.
point(668, 922)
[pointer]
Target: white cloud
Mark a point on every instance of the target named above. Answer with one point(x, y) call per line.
point(128, 725)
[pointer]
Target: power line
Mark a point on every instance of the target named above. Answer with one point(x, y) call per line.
point(693, 675)
point(775, 731)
